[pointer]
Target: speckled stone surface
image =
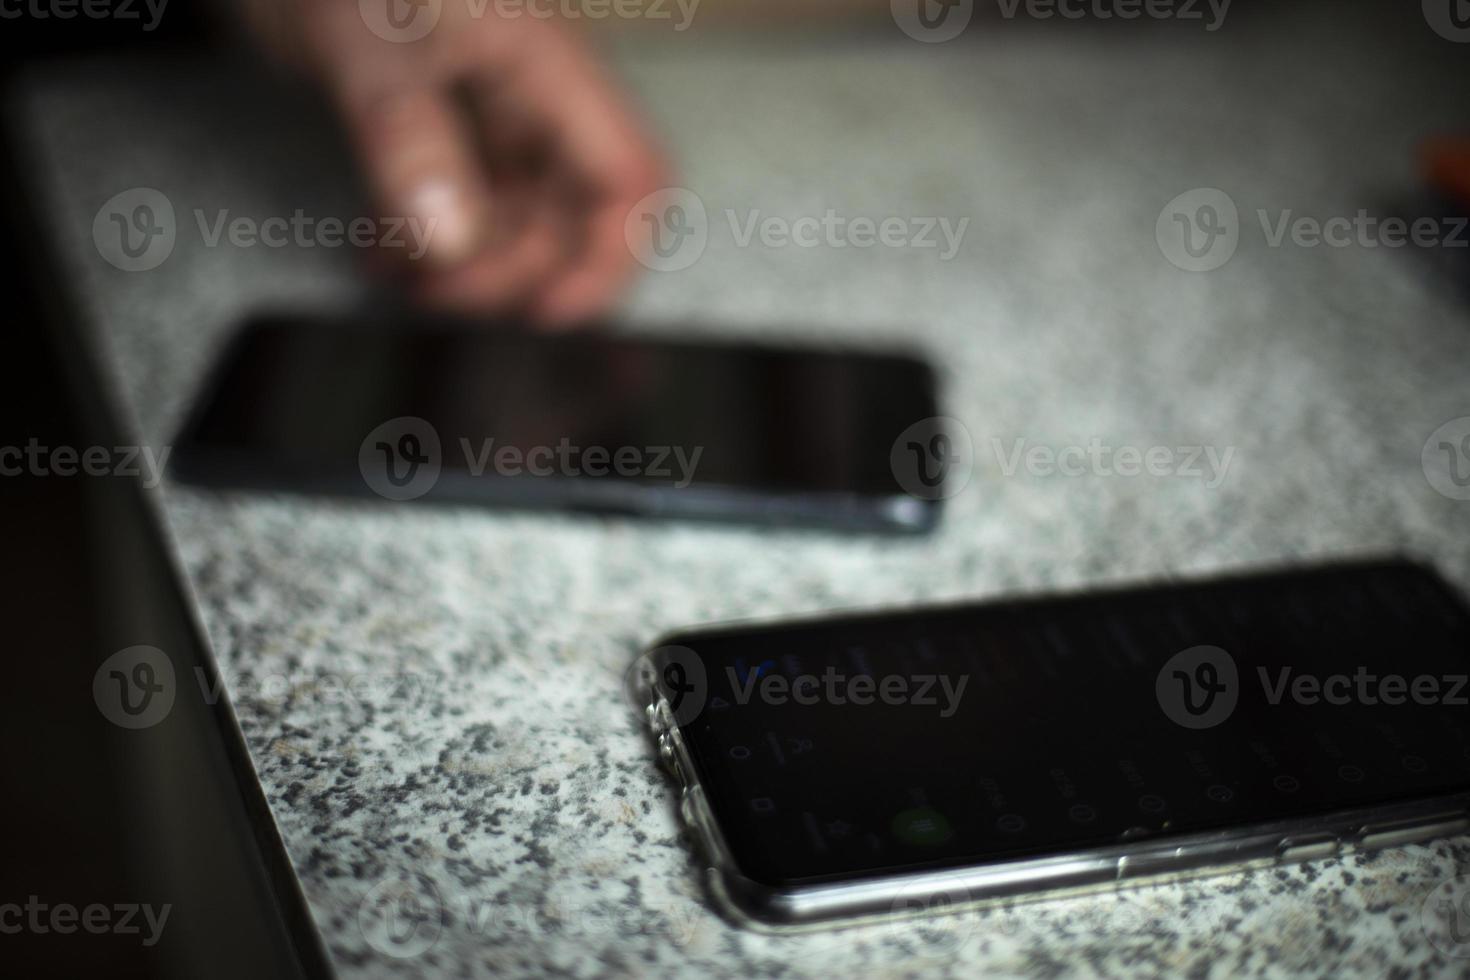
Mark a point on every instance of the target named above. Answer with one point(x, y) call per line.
point(432, 695)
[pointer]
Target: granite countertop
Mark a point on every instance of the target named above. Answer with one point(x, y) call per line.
point(432, 695)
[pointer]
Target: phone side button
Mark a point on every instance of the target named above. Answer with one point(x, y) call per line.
point(1297, 849)
point(687, 812)
point(1396, 836)
point(668, 756)
point(658, 716)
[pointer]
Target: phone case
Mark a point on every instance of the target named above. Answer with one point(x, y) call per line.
point(1126, 864)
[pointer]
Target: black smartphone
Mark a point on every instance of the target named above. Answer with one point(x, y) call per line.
point(864, 764)
point(468, 411)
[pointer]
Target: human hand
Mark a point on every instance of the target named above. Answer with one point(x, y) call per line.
point(503, 132)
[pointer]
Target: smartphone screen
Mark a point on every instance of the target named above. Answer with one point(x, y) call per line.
point(953, 737)
point(589, 420)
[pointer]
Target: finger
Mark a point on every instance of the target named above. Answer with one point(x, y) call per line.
point(610, 159)
point(513, 144)
point(603, 265)
point(529, 239)
point(505, 276)
point(595, 132)
point(421, 166)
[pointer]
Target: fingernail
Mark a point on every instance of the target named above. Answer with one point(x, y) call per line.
point(448, 219)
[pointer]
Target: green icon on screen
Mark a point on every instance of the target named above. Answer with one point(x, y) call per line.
point(923, 825)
